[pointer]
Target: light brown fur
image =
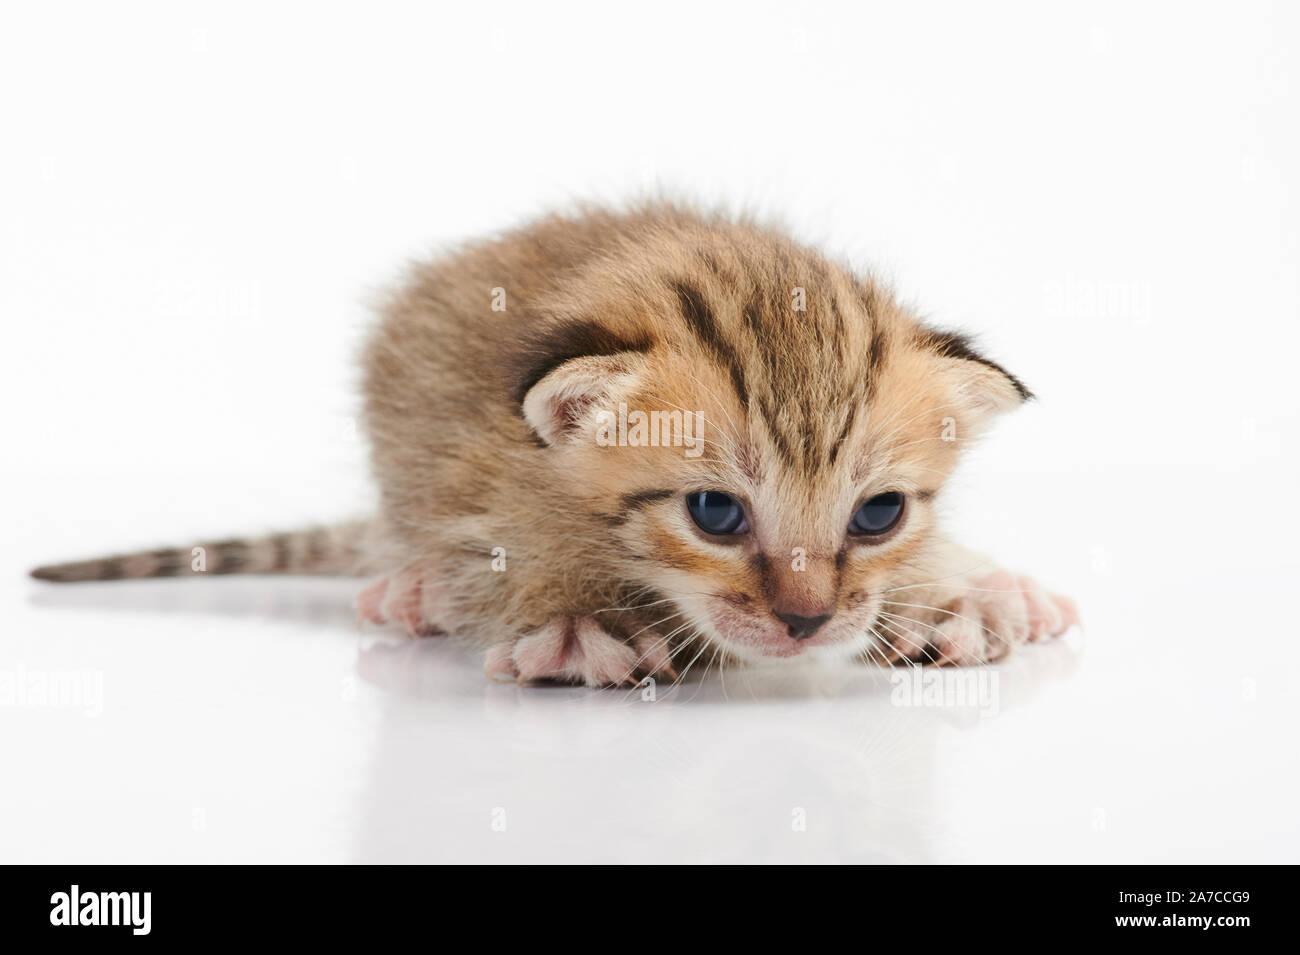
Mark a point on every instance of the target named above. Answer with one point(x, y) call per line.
point(482, 425)
point(846, 395)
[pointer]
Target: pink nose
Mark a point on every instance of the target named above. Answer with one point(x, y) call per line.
point(802, 627)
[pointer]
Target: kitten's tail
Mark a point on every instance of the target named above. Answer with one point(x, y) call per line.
point(339, 550)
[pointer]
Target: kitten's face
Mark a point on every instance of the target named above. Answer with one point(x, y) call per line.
point(772, 548)
point(772, 473)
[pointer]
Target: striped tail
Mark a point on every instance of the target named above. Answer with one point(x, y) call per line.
point(336, 550)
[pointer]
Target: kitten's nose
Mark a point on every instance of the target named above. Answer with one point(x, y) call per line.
point(802, 627)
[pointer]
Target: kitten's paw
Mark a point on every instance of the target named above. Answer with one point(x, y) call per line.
point(410, 598)
point(578, 650)
point(982, 622)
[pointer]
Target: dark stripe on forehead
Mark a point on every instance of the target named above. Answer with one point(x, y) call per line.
point(955, 345)
point(869, 298)
point(704, 325)
point(844, 432)
point(827, 304)
point(541, 353)
point(779, 439)
point(875, 358)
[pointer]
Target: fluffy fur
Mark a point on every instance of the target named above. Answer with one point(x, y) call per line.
point(505, 521)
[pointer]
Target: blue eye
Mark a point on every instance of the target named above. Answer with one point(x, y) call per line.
point(716, 513)
point(878, 515)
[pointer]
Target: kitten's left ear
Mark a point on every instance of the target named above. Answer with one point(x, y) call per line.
point(985, 387)
point(567, 402)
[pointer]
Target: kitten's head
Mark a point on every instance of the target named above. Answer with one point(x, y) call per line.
point(763, 434)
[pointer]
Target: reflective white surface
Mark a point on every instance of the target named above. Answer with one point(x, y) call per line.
point(249, 720)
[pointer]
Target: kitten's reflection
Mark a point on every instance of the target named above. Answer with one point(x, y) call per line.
point(312, 601)
point(779, 765)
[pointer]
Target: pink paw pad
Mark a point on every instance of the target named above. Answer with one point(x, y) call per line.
point(962, 638)
point(575, 650)
point(983, 622)
point(408, 598)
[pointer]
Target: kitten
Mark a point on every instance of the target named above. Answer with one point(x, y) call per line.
point(611, 443)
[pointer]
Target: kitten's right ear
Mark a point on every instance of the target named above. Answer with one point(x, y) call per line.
point(569, 401)
point(985, 388)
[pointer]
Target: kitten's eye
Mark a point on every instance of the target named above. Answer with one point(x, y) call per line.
point(716, 513)
point(878, 514)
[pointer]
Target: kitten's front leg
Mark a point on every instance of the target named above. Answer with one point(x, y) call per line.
point(968, 612)
point(579, 649)
point(414, 598)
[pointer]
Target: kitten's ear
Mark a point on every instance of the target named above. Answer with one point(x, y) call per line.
point(985, 388)
point(568, 401)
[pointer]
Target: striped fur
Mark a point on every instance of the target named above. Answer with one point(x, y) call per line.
point(503, 515)
point(321, 550)
point(808, 408)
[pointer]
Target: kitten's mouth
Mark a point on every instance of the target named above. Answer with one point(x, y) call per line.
point(754, 636)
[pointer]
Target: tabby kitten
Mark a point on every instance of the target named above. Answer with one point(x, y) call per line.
point(614, 443)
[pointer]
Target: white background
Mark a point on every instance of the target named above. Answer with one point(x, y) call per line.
point(196, 205)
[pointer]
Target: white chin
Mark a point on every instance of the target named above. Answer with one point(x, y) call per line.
point(840, 652)
point(825, 653)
